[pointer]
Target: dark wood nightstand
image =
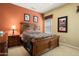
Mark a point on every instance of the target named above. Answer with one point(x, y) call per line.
point(14, 40)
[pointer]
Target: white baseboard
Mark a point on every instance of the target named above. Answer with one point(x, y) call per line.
point(68, 45)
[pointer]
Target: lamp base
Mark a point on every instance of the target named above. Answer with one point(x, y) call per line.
point(13, 32)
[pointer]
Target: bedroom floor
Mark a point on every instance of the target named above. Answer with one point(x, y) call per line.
point(59, 51)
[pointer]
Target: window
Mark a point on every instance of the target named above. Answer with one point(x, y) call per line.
point(48, 25)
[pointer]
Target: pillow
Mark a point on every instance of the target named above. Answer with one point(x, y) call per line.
point(29, 29)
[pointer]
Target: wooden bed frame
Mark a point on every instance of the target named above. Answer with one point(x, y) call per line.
point(39, 46)
point(43, 45)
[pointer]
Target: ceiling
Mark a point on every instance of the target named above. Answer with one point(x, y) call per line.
point(40, 7)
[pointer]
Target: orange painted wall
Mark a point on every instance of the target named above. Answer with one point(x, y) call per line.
point(13, 15)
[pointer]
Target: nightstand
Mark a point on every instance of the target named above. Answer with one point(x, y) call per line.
point(14, 40)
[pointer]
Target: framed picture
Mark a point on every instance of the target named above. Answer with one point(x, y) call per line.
point(35, 19)
point(62, 24)
point(26, 17)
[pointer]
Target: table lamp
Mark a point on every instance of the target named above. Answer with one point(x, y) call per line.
point(13, 27)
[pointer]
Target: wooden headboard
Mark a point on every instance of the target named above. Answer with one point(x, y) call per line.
point(25, 25)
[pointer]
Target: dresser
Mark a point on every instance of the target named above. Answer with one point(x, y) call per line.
point(4, 45)
point(14, 40)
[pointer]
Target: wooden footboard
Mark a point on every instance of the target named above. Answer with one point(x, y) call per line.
point(43, 45)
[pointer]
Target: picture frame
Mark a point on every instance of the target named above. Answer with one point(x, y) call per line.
point(62, 24)
point(26, 17)
point(35, 19)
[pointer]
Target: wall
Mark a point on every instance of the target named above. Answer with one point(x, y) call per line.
point(72, 37)
point(13, 15)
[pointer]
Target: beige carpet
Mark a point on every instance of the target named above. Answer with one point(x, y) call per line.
point(17, 51)
point(59, 51)
point(62, 51)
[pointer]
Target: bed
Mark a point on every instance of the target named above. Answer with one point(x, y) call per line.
point(37, 43)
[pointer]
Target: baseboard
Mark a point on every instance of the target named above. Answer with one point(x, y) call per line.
point(68, 45)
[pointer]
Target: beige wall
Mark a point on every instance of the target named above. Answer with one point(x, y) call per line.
point(72, 37)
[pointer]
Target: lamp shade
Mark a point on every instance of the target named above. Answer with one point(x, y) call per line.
point(13, 27)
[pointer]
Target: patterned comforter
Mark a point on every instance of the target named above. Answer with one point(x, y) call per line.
point(36, 35)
